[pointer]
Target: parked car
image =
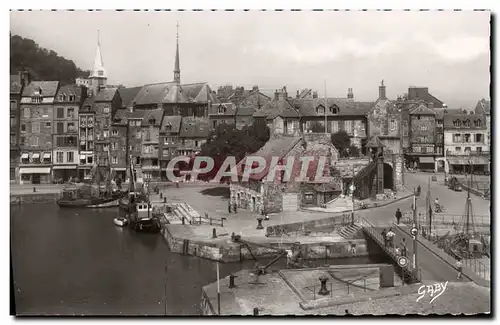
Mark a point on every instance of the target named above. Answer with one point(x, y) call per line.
point(454, 184)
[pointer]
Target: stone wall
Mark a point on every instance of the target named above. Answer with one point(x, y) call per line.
point(397, 163)
point(34, 198)
point(273, 197)
point(247, 191)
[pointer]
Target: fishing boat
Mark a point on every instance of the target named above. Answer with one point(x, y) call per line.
point(120, 221)
point(92, 194)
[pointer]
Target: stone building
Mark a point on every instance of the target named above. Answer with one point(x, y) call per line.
point(423, 138)
point(169, 141)
point(65, 156)
point(86, 136)
point(483, 107)
point(466, 143)
point(134, 120)
point(277, 194)
point(37, 107)
point(150, 129)
point(385, 122)
point(17, 83)
point(119, 144)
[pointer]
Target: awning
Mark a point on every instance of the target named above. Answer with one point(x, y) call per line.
point(120, 169)
point(468, 161)
point(83, 156)
point(426, 160)
point(36, 156)
point(34, 170)
point(46, 155)
point(64, 167)
point(25, 156)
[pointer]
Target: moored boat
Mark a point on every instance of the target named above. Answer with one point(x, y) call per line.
point(120, 221)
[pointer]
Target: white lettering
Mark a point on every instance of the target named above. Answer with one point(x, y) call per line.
point(421, 291)
point(223, 172)
point(252, 168)
point(443, 285)
point(275, 166)
point(305, 162)
point(171, 165)
point(434, 291)
point(197, 170)
point(319, 177)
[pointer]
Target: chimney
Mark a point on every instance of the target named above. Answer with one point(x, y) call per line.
point(381, 91)
point(350, 94)
point(315, 94)
point(255, 88)
point(297, 94)
point(282, 95)
point(25, 78)
point(276, 95)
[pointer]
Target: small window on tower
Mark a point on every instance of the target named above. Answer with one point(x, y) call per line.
point(100, 73)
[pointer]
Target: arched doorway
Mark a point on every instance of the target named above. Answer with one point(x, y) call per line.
point(388, 176)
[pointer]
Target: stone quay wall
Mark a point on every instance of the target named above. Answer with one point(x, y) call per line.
point(18, 199)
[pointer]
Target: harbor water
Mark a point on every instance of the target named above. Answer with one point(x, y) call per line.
point(75, 261)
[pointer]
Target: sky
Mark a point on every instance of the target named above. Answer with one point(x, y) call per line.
point(447, 51)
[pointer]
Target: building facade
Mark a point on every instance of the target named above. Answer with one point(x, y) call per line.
point(150, 135)
point(17, 83)
point(192, 135)
point(65, 154)
point(86, 137)
point(222, 113)
point(37, 107)
point(423, 138)
point(106, 102)
point(119, 144)
point(169, 141)
point(466, 143)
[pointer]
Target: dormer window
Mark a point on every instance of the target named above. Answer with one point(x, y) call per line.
point(152, 121)
point(477, 123)
point(71, 98)
point(466, 123)
point(456, 123)
point(222, 109)
point(320, 110)
point(334, 109)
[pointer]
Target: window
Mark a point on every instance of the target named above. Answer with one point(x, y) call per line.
point(71, 113)
point(26, 112)
point(114, 145)
point(35, 127)
point(214, 124)
point(308, 197)
point(137, 160)
point(100, 73)
point(114, 133)
point(467, 137)
point(13, 104)
point(138, 135)
point(106, 134)
point(466, 123)
point(222, 109)
point(196, 143)
point(36, 99)
point(60, 112)
point(12, 121)
point(334, 110)
point(59, 157)
point(70, 156)
point(12, 139)
point(456, 123)
point(467, 150)
point(423, 127)
point(106, 109)
point(458, 149)
point(21, 141)
point(60, 128)
point(392, 125)
point(23, 127)
point(335, 126)
point(72, 98)
point(477, 123)
point(105, 147)
point(48, 124)
point(479, 149)
point(416, 149)
point(479, 137)
point(71, 127)
point(320, 110)
point(457, 137)
point(424, 149)
point(348, 127)
point(114, 160)
point(90, 160)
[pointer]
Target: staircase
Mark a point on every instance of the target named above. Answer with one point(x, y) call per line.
point(351, 231)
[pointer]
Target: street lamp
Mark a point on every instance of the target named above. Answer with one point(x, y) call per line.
point(401, 146)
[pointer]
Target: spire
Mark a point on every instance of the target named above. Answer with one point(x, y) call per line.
point(98, 70)
point(177, 69)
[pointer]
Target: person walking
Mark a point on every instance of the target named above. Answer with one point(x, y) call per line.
point(418, 190)
point(390, 237)
point(403, 247)
point(384, 236)
point(398, 216)
point(459, 268)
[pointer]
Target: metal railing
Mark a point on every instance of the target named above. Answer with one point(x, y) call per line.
point(444, 219)
point(478, 267)
point(407, 272)
point(347, 287)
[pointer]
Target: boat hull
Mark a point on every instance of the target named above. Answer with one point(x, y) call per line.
point(120, 222)
point(93, 203)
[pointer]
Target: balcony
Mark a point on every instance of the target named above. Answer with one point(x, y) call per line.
point(149, 154)
point(468, 154)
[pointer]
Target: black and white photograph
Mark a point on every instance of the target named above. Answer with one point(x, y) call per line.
point(250, 162)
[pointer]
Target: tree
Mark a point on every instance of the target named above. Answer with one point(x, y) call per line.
point(226, 140)
point(342, 142)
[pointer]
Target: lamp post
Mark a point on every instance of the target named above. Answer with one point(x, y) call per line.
point(415, 226)
point(401, 146)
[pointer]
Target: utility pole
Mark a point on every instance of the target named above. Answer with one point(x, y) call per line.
point(415, 226)
point(326, 108)
point(401, 146)
point(353, 188)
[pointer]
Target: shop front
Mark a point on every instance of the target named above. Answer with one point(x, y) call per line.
point(64, 173)
point(468, 165)
point(34, 175)
point(426, 163)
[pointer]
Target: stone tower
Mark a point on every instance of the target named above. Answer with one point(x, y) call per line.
point(98, 76)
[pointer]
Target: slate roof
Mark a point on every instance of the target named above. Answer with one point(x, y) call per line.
point(485, 105)
point(70, 90)
point(194, 127)
point(127, 95)
point(304, 93)
point(422, 110)
point(105, 95)
point(152, 117)
point(121, 116)
point(374, 142)
point(15, 84)
point(345, 107)
point(170, 92)
point(450, 118)
point(48, 88)
point(273, 109)
point(245, 111)
point(230, 109)
point(173, 121)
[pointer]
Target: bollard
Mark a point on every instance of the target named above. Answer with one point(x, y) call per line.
point(183, 221)
point(34, 189)
point(161, 195)
point(229, 208)
point(210, 221)
point(323, 290)
point(231, 281)
point(259, 224)
point(214, 233)
point(222, 222)
point(256, 311)
point(165, 200)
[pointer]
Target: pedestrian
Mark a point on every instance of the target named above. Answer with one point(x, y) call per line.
point(459, 268)
point(398, 251)
point(390, 237)
point(235, 207)
point(353, 249)
point(418, 190)
point(398, 216)
point(229, 207)
point(384, 235)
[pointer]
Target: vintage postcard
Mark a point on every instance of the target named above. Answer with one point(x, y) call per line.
point(250, 162)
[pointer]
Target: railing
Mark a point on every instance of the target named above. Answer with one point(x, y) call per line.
point(406, 272)
point(349, 287)
point(472, 263)
point(444, 219)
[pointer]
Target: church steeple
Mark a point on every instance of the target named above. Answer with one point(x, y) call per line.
point(98, 70)
point(177, 69)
